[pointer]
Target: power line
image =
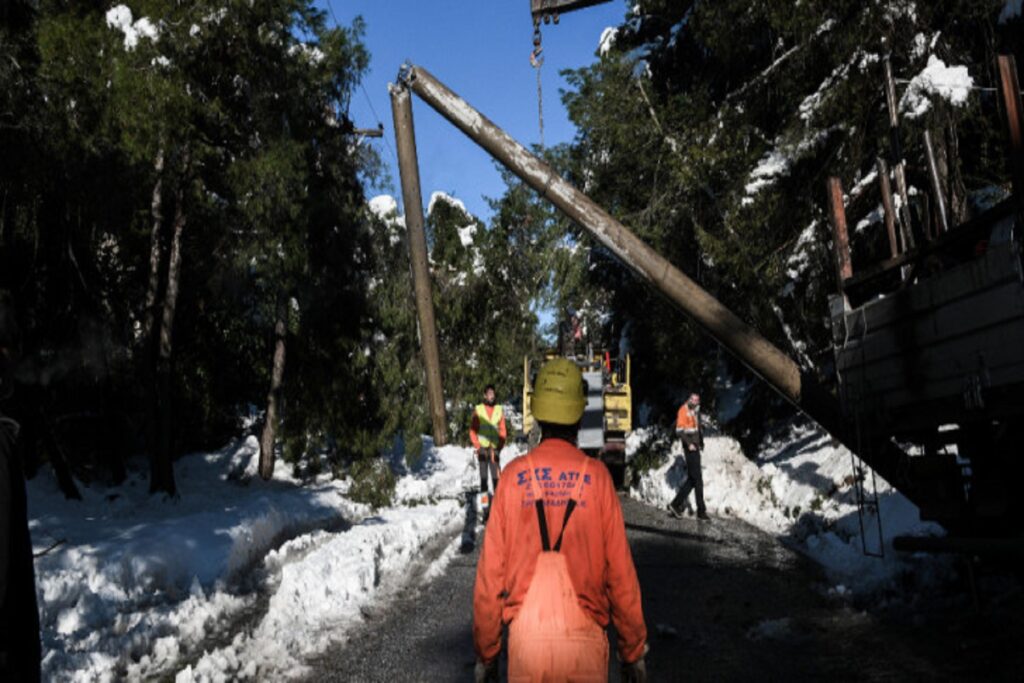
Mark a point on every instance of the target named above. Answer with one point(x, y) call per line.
point(369, 102)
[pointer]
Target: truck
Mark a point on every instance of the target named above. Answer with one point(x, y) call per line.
point(608, 416)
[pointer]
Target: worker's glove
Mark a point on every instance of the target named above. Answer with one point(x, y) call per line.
point(486, 672)
point(635, 672)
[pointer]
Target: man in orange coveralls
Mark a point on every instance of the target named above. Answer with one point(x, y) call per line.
point(556, 564)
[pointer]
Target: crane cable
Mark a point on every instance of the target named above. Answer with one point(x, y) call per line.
point(537, 61)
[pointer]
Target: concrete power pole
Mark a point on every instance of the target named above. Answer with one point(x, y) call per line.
point(408, 168)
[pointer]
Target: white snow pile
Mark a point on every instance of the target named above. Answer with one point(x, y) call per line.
point(119, 17)
point(385, 207)
point(436, 197)
point(801, 488)
point(310, 52)
point(950, 83)
point(139, 586)
point(778, 162)
point(607, 40)
point(466, 234)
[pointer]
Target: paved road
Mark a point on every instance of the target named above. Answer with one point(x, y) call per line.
point(722, 600)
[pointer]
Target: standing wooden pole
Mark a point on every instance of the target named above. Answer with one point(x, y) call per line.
point(890, 216)
point(409, 170)
point(937, 189)
point(1010, 87)
point(897, 157)
point(840, 236)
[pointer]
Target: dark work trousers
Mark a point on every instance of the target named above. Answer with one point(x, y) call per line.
point(694, 482)
point(488, 465)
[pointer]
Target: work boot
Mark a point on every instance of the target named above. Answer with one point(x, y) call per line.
point(675, 512)
point(703, 515)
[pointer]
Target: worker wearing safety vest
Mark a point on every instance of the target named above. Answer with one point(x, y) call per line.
point(488, 433)
point(689, 432)
point(556, 565)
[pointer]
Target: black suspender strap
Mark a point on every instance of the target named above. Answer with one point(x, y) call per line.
point(545, 541)
point(565, 521)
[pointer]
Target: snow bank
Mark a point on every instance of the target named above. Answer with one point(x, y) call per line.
point(324, 581)
point(800, 488)
point(322, 590)
point(138, 585)
point(950, 83)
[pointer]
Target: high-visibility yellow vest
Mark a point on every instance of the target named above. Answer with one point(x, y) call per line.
point(488, 433)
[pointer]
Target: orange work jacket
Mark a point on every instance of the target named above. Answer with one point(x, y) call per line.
point(595, 548)
point(686, 419)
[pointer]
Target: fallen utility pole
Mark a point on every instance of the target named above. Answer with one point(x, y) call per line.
point(756, 352)
point(408, 168)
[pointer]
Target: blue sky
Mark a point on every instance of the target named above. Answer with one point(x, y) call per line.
point(481, 50)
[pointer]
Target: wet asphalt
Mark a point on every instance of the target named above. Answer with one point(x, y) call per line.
point(723, 601)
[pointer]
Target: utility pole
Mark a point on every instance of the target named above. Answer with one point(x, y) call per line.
point(897, 158)
point(756, 352)
point(409, 170)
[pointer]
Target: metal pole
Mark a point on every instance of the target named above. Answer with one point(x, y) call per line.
point(756, 352)
point(840, 237)
point(408, 168)
point(890, 217)
point(897, 157)
point(933, 175)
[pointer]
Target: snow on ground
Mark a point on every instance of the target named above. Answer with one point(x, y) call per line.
point(801, 489)
point(139, 585)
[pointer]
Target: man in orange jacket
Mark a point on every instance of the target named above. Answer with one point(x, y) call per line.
point(689, 432)
point(555, 563)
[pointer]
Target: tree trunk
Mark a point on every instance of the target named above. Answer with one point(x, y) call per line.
point(65, 481)
point(162, 471)
point(155, 253)
point(270, 425)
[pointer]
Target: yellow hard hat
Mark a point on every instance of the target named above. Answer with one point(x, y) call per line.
point(558, 393)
